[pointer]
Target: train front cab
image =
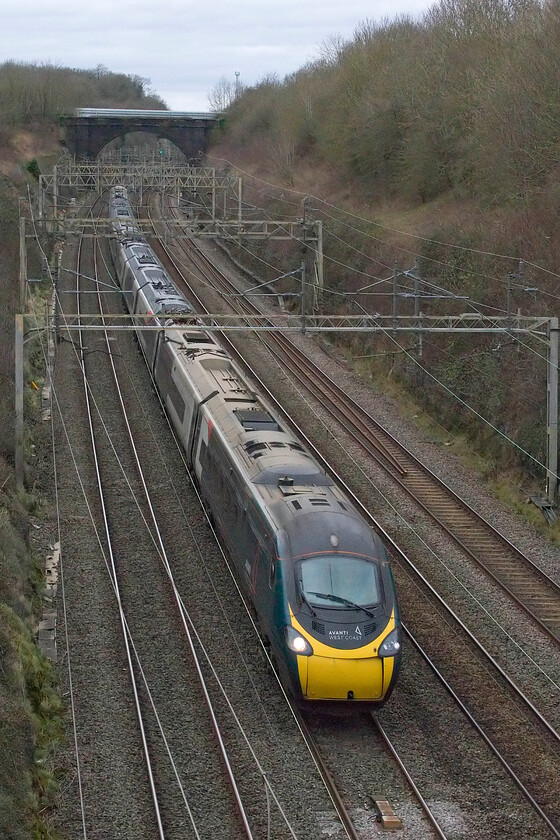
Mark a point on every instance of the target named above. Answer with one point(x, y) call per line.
point(359, 674)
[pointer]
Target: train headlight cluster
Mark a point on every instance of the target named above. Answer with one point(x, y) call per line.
point(391, 644)
point(297, 642)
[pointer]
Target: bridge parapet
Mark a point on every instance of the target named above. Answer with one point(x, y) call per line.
point(88, 130)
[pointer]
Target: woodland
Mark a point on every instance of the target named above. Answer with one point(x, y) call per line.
point(428, 146)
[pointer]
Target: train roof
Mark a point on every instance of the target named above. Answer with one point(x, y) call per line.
point(270, 453)
point(139, 250)
point(132, 113)
point(160, 291)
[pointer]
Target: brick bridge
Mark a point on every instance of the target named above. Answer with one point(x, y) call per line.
point(89, 130)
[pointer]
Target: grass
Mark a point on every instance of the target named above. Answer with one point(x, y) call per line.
point(31, 723)
point(32, 726)
point(504, 487)
point(509, 495)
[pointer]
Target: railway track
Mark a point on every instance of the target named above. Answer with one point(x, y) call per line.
point(141, 517)
point(111, 561)
point(384, 816)
point(396, 461)
point(129, 567)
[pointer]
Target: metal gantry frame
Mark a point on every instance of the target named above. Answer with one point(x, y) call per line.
point(162, 175)
point(219, 194)
point(545, 330)
point(223, 218)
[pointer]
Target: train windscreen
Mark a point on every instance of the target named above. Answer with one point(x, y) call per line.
point(339, 580)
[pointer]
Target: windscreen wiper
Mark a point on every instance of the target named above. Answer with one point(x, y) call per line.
point(306, 601)
point(339, 600)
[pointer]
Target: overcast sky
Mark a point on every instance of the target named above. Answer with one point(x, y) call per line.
point(185, 46)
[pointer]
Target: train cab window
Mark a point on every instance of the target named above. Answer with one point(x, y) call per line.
point(339, 580)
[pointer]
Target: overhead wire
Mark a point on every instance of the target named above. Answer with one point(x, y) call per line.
point(471, 303)
point(356, 216)
point(519, 341)
point(388, 334)
point(416, 255)
point(455, 396)
point(378, 280)
point(426, 283)
point(470, 408)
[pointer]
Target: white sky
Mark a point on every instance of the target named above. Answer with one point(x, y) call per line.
point(185, 46)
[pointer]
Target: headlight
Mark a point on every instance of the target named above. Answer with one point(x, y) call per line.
point(391, 644)
point(297, 642)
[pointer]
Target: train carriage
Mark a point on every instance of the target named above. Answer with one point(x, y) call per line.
point(317, 575)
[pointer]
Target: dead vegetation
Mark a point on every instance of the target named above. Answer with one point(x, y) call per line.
point(432, 145)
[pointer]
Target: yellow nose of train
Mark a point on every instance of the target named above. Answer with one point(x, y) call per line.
point(330, 673)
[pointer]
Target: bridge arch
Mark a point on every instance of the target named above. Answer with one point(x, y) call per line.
point(89, 130)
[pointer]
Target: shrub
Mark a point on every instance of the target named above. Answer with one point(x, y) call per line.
point(33, 168)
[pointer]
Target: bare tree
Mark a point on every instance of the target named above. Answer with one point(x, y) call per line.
point(224, 93)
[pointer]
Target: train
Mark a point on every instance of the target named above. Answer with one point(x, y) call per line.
point(316, 574)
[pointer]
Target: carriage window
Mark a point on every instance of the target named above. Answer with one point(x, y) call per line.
point(272, 576)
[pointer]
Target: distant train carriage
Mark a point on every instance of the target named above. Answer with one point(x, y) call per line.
point(123, 222)
point(317, 575)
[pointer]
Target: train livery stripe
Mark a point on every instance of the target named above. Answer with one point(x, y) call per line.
point(366, 651)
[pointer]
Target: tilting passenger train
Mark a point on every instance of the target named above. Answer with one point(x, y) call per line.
point(317, 575)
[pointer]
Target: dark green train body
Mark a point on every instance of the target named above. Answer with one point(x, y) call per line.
point(317, 575)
